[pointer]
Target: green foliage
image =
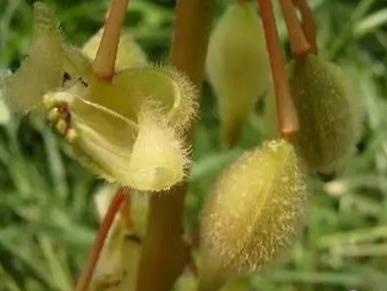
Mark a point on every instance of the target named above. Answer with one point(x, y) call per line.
point(47, 211)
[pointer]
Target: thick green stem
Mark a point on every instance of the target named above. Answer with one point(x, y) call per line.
point(165, 253)
point(286, 112)
point(104, 62)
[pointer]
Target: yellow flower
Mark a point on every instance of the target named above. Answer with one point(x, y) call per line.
point(127, 130)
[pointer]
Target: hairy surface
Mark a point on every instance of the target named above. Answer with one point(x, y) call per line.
point(254, 211)
point(329, 114)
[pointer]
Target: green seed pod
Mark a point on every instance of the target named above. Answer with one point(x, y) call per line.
point(237, 67)
point(253, 214)
point(129, 53)
point(328, 111)
point(42, 70)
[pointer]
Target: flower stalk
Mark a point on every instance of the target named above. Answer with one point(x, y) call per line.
point(307, 23)
point(299, 44)
point(120, 199)
point(104, 62)
point(286, 113)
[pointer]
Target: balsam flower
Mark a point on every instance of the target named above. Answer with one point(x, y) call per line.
point(126, 130)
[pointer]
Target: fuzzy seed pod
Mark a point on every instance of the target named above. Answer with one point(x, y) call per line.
point(129, 53)
point(42, 69)
point(253, 214)
point(328, 111)
point(237, 67)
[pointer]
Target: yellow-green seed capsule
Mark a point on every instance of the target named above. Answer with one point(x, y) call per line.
point(129, 53)
point(328, 111)
point(42, 70)
point(237, 67)
point(253, 214)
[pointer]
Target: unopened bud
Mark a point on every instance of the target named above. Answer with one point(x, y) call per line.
point(237, 66)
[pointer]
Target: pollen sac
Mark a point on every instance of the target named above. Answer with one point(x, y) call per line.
point(253, 214)
point(42, 69)
point(328, 111)
point(129, 53)
point(237, 67)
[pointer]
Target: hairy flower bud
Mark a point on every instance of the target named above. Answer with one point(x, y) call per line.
point(328, 111)
point(129, 53)
point(253, 213)
point(42, 69)
point(237, 66)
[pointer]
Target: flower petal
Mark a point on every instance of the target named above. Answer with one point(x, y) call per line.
point(145, 157)
point(42, 70)
point(132, 88)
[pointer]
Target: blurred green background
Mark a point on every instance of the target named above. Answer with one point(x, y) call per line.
point(47, 212)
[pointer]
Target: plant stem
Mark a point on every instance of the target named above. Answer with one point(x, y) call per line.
point(165, 253)
point(118, 201)
point(104, 62)
point(286, 113)
point(308, 24)
point(299, 45)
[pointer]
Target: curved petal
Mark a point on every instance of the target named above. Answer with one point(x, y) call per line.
point(42, 70)
point(158, 158)
point(132, 88)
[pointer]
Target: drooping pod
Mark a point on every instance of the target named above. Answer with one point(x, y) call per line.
point(42, 69)
point(129, 53)
point(253, 213)
point(237, 66)
point(329, 114)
